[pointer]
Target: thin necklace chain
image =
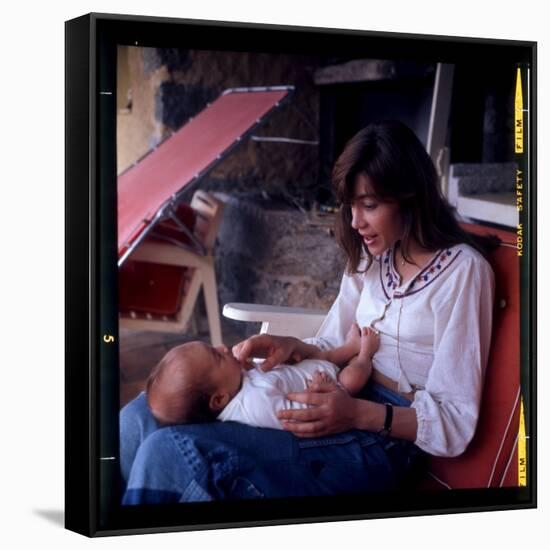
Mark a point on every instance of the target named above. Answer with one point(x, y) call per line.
point(398, 247)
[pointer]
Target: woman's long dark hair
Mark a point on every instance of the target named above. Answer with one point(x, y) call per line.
point(401, 171)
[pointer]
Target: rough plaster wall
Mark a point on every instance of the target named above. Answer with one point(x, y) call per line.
point(137, 129)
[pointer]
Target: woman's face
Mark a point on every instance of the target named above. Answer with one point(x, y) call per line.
point(378, 223)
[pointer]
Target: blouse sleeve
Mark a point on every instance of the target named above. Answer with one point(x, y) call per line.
point(341, 315)
point(448, 407)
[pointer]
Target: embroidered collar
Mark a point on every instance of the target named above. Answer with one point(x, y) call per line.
point(390, 279)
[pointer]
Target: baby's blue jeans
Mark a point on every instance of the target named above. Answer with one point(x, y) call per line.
point(228, 460)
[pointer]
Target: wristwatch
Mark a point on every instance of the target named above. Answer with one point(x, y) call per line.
point(386, 430)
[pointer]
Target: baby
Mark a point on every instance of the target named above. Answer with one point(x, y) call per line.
point(196, 382)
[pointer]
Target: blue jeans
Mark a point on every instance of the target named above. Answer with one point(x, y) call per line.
point(228, 460)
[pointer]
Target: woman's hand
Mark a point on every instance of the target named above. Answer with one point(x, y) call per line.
point(275, 349)
point(331, 410)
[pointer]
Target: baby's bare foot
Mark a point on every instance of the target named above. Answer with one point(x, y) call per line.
point(370, 342)
point(353, 337)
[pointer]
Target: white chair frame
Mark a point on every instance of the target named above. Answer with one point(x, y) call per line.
point(278, 320)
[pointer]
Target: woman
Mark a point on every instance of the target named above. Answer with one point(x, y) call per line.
point(415, 277)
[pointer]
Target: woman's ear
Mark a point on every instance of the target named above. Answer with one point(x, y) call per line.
point(218, 401)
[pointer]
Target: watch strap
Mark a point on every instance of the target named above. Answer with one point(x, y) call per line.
point(386, 430)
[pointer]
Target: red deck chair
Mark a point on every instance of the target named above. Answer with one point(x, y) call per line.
point(165, 247)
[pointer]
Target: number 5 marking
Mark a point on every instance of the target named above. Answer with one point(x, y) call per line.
point(108, 338)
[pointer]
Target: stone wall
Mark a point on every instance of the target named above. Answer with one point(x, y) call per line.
point(275, 257)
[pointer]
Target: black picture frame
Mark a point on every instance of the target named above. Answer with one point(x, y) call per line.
point(92, 386)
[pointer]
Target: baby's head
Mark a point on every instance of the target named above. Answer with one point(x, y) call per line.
point(193, 383)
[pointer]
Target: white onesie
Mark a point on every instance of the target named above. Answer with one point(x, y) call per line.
point(264, 393)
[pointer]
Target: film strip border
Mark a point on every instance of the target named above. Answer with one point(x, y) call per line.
point(522, 158)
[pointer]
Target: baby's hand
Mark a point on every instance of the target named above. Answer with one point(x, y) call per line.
point(321, 379)
point(370, 342)
point(353, 337)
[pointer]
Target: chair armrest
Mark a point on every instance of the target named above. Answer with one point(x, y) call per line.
point(278, 320)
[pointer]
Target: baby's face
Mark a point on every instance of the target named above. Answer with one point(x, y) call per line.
point(217, 365)
point(225, 370)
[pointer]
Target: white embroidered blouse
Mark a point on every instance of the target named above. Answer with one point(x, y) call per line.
point(435, 333)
